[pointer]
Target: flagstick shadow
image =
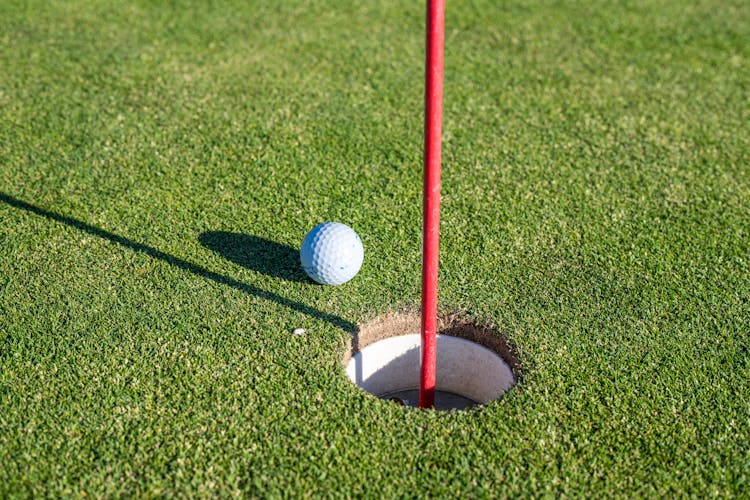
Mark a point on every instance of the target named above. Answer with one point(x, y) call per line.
point(180, 263)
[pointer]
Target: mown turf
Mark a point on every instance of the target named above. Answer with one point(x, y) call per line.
point(160, 163)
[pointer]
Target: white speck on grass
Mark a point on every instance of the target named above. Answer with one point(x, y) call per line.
point(299, 331)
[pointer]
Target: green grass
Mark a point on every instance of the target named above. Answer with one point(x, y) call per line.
point(161, 162)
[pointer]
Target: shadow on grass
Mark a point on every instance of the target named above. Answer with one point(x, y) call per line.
point(183, 264)
point(258, 254)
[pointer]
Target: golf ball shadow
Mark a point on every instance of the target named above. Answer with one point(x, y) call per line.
point(257, 254)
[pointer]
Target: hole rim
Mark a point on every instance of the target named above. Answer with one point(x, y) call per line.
point(457, 324)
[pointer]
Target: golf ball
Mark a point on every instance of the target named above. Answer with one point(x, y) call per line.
point(332, 253)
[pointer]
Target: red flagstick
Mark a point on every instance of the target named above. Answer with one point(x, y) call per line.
point(431, 197)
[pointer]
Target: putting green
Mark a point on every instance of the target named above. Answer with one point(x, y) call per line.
point(160, 163)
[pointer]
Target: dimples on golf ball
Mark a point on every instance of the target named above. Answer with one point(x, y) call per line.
point(331, 253)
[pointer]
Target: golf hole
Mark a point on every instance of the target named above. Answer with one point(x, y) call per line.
point(475, 365)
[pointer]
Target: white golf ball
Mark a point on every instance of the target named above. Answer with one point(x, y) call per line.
point(332, 253)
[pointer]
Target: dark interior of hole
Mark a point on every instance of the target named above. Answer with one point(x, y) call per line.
point(444, 400)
